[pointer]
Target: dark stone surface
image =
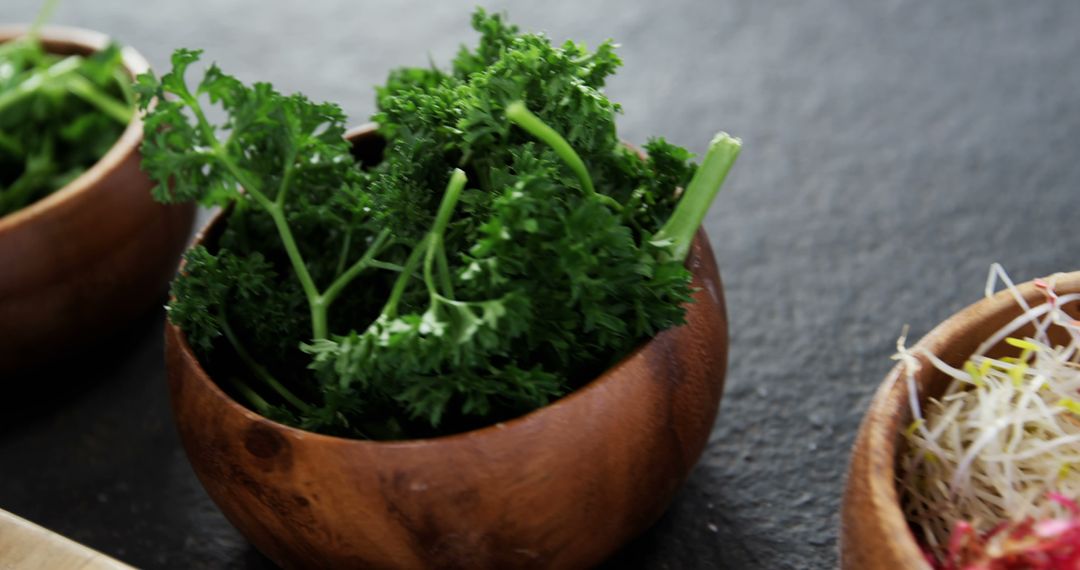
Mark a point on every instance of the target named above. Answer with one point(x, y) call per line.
point(893, 150)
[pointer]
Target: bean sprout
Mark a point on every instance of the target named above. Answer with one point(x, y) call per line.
point(1004, 438)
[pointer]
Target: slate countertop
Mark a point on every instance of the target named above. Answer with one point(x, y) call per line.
point(892, 151)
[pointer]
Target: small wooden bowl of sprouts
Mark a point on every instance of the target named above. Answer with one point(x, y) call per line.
point(969, 456)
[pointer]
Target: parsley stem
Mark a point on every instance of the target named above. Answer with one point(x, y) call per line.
point(678, 232)
point(286, 178)
point(444, 271)
point(123, 79)
point(44, 15)
point(63, 73)
point(390, 309)
point(38, 80)
point(361, 264)
point(256, 401)
point(386, 265)
point(85, 90)
point(442, 219)
point(344, 256)
point(257, 369)
point(319, 327)
point(428, 245)
point(535, 126)
point(315, 302)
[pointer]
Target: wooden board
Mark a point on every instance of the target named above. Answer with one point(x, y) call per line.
point(27, 546)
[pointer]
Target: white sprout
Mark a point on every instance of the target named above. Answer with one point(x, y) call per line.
point(1005, 432)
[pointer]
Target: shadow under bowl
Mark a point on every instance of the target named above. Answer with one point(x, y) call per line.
point(874, 531)
point(561, 487)
point(91, 256)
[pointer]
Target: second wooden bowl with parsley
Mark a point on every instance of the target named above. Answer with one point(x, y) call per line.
point(82, 244)
point(491, 286)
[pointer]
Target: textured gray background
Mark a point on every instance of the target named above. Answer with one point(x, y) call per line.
point(893, 150)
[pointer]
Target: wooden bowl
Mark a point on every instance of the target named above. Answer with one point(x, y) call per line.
point(561, 487)
point(92, 255)
point(874, 532)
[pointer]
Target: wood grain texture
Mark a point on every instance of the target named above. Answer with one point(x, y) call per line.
point(27, 546)
point(562, 487)
point(874, 533)
point(91, 256)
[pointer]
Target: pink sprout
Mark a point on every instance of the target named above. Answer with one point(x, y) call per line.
point(1051, 544)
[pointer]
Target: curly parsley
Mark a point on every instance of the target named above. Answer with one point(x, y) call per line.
point(505, 250)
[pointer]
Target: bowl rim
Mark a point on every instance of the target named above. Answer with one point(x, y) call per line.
point(879, 432)
point(699, 248)
point(128, 142)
